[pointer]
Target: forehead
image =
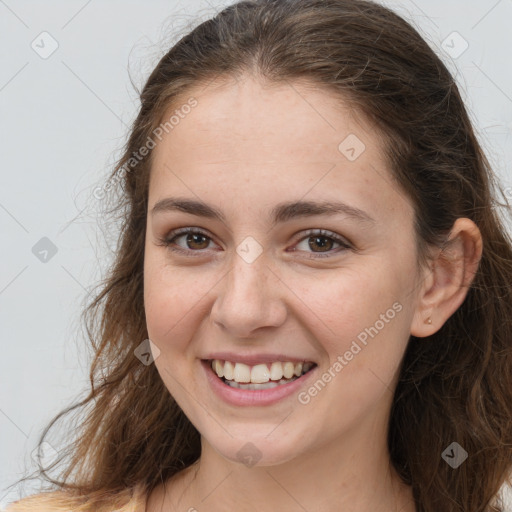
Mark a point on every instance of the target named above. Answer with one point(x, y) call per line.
point(292, 139)
point(309, 119)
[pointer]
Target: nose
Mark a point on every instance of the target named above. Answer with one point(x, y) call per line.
point(249, 298)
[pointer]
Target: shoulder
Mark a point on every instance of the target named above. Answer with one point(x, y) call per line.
point(47, 501)
point(131, 500)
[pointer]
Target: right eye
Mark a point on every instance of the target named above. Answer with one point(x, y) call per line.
point(192, 237)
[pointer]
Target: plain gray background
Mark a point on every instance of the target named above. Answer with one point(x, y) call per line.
point(63, 121)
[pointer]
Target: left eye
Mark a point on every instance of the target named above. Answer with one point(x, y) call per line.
point(323, 240)
point(196, 241)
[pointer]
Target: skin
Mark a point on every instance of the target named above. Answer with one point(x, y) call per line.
point(331, 453)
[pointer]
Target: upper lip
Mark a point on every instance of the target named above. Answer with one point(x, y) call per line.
point(254, 359)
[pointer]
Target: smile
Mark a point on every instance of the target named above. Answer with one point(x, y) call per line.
point(259, 376)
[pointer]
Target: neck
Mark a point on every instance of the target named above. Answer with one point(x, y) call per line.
point(353, 473)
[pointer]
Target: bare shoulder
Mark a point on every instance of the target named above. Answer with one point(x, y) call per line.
point(131, 500)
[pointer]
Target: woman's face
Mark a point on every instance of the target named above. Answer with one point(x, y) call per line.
point(310, 256)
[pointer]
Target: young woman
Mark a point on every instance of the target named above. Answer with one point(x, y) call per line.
point(311, 306)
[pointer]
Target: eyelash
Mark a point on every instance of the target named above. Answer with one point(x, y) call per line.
point(173, 235)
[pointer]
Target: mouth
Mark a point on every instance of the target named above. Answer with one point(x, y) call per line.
point(259, 376)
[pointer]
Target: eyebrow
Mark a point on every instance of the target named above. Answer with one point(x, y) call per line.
point(282, 212)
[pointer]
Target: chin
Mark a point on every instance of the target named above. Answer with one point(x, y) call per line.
point(257, 451)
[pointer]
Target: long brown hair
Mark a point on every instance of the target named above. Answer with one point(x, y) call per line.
point(454, 386)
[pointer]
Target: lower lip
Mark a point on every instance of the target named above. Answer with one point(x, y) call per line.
point(237, 396)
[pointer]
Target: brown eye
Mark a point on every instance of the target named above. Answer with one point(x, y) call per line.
point(196, 241)
point(323, 242)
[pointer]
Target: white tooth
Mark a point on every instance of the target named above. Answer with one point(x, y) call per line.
point(288, 370)
point(242, 373)
point(218, 368)
point(228, 370)
point(287, 381)
point(298, 369)
point(251, 386)
point(276, 371)
point(260, 374)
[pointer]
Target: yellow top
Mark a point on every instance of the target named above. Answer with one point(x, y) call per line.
point(134, 500)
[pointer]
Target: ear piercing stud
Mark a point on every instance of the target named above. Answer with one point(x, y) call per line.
point(428, 321)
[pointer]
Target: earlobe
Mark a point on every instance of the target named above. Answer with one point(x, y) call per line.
point(448, 279)
point(422, 323)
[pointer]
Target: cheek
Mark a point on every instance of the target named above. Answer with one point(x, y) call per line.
point(174, 300)
point(347, 301)
point(364, 332)
point(173, 306)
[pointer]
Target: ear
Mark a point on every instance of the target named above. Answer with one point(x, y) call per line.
point(446, 283)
